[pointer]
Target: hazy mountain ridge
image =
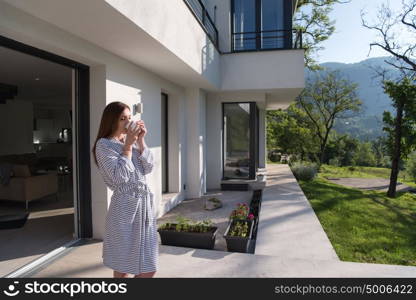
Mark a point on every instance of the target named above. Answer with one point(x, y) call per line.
point(368, 124)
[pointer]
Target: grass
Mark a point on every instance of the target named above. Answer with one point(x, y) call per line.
point(362, 230)
point(328, 171)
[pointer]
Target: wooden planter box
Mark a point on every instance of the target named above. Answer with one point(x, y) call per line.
point(201, 240)
point(236, 243)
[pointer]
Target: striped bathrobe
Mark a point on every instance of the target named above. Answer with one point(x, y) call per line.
point(130, 243)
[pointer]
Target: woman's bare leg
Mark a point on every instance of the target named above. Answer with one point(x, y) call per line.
point(120, 275)
point(145, 275)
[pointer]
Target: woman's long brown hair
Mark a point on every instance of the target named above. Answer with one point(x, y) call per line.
point(109, 122)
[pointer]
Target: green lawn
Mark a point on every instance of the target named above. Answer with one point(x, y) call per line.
point(328, 171)
point(362, 230)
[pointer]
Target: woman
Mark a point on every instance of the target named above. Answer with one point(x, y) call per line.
point(130, 244)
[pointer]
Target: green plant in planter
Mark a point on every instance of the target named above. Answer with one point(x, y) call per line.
point(187, 225)
point(203, 226)
point(240, 229)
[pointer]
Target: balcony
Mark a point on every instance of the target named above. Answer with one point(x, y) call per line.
point(201, 14)
point(248, 40)
point(266, 40)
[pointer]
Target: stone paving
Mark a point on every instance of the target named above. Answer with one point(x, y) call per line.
point(290, 243)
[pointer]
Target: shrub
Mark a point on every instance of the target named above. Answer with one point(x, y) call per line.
point(275, 156)
point(411, 166)
point(334, 162)
point(304, 171)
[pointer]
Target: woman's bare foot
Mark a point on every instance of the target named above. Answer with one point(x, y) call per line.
point(145, 275)
point(120, 275)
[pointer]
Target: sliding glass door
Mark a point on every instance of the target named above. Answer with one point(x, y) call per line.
point(261, 24)
point(272, 24)
point(239, 140)
point(244, 20)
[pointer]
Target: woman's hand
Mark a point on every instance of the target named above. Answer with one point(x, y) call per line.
point(143, 130)
point(132, 135)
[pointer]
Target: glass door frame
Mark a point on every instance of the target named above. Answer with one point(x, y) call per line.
point(81, 121)
point(165, 142)
point(253, 143)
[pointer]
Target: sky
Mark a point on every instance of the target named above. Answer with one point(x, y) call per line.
point(350, 41)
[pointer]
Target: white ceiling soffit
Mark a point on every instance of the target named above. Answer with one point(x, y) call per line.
point(89, 20)
point(35, 78)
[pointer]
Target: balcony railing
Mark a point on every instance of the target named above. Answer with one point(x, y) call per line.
point(201, 14)
point(266, 40)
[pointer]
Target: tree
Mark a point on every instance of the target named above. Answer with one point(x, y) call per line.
point(311, 18)
point(391, 28)
point(411, 166)
point(341, 149)
point(365, 156)
point(401, 130)
point(287, 132)
point(326, 97)
point(380, 152)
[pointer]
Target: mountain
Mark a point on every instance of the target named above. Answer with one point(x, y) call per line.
point(369, 89)
point(368, 124)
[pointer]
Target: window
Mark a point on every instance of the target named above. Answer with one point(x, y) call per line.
point(261, 24)
point(239, 140)
point(164, 135)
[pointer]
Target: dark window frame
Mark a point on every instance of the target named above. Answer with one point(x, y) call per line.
point(165, 97)
point(253, 139)
point(82, 135)
point(287, 16)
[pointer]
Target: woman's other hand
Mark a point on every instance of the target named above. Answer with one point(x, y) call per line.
point(132, 134)
point(143, 129)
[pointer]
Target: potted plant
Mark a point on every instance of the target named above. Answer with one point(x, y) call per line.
point(188, 233)
point(255, 206)
point(238, 235)
point(240, 229)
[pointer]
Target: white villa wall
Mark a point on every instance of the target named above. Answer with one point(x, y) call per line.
point(264, 70)
point(175, 27)
point(111, 78)
point(196, 140)
point(171, 43)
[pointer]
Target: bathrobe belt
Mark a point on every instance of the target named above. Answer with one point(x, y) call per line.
point(138, 188)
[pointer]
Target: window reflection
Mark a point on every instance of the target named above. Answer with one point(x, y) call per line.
point(237, 140)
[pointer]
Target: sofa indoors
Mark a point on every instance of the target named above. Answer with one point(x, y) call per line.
point(25, 184)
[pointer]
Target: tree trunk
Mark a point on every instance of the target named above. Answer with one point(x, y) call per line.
point(323, 146)
point(396, 152)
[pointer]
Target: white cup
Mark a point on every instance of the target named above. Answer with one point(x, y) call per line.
point(133, 126)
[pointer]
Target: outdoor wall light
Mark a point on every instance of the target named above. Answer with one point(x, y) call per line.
point(137, 108)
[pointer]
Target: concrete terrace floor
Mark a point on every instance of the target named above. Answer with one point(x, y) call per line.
point(194, 209)
point(290, 243)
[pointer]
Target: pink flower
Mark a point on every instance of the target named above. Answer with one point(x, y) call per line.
point(251, 216)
